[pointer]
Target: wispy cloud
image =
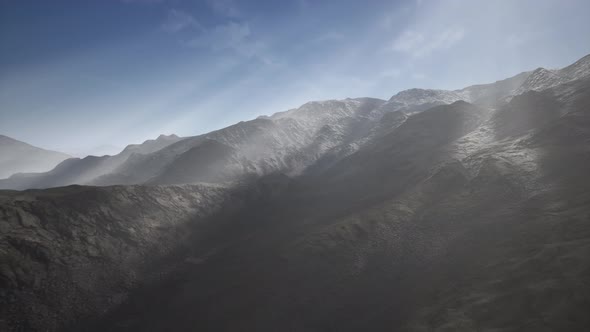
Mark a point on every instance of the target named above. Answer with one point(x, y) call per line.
point(233, 36)
point(178, 20)
point(420, 44)
point(225, 7)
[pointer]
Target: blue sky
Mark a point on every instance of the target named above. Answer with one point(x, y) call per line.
point(77, 75)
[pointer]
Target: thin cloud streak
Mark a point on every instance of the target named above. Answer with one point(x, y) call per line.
point(233, 36)
point(419, 44)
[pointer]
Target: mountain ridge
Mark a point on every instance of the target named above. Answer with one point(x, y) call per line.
point(293, 140)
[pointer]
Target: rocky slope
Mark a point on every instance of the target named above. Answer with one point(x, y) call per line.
point(71, 252)
point(20, 157)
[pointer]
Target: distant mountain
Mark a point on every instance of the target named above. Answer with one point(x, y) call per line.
point(20, 157)
point(84, 170)
point(302, 140)
point(100, 150)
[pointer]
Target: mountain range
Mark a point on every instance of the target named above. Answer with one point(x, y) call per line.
point(289, 142)
point(435, 210)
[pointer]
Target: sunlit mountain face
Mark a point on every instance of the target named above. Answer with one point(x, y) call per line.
point(175, 165)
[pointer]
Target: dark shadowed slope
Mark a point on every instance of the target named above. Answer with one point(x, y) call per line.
point(20, 157)
point(72, 252)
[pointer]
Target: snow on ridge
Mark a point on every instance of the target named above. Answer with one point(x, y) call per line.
point(578, 69)
point(540, 79)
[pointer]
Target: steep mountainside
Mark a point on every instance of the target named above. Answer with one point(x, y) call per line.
point(450, 232)
point(20, 157)
point(460, 217)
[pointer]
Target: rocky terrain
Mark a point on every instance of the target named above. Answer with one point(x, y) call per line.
point(466, 214)
point(70, 252)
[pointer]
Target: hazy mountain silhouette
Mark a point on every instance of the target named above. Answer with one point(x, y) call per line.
point(20, 157)
point(84, 170)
